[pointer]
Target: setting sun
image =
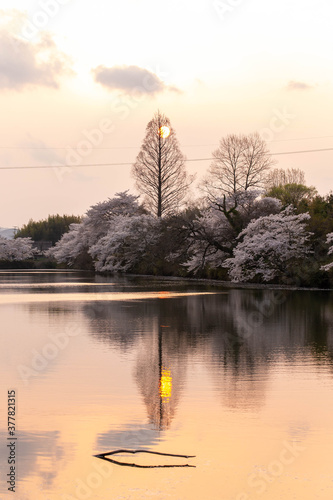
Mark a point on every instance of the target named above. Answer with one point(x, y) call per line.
point(164, 131)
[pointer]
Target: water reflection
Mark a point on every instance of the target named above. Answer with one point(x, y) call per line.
point(132, 434)
point(240, 335)
point(160, 374)
point(228, 377)
point(38, 454)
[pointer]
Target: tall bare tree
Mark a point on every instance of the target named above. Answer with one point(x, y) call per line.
point(240, 162)
point(159, 169)
point(281, 177)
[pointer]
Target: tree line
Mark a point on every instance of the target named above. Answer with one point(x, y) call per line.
point(50, 229)
point(252, 222)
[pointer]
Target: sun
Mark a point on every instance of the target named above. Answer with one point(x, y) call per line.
point(164, 131)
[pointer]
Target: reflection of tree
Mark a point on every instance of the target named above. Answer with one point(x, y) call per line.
point(160, 371)
point(238, 333)
point(261, 326)
point(158, 330)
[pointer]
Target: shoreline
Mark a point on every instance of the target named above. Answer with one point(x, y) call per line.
point(208, 281)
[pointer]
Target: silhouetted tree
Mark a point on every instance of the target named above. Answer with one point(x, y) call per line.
point(240, 163)
point(159, 169)
point(280, 177)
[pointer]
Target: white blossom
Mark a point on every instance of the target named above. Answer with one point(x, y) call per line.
point(95, 225)
point(214, 233)
point(70, 245)
point(329, 241)
point(269, 246)
point(16, 249)
point(127, 243)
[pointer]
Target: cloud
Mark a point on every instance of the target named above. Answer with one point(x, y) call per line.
point(292, 85)
point(41, 152)
point(26, 64)
point(38, 454)
point(131, 435)
point(130, 79)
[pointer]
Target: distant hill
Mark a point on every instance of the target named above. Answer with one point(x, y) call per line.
point(7, 233)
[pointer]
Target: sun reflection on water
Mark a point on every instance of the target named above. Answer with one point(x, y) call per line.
point(165, 388)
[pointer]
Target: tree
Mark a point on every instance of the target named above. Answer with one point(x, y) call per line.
point(281, 177)
point(50, 229)
point(292, 194)
point(70, 247)
point(329, 241)
point(127, 243)
point(270, 247)
point(159, 169)
point(214, 232)
point(240, 163)
point(99, 218)
point(15, 250)
point(74, 246)
point(289, 187)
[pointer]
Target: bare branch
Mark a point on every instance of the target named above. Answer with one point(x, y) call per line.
point(240, 163)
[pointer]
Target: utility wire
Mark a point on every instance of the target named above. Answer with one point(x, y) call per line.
point(26, 167)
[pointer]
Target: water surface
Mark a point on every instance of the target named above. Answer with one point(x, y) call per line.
point(240, 379)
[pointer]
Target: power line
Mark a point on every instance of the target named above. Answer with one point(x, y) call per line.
point(303, 138)
point(26, 167)
point(304, 151)
point(275, 154)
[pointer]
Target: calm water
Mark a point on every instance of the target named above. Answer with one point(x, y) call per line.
point(240, 379)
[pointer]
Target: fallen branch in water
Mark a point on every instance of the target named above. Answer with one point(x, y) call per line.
point(104, 456)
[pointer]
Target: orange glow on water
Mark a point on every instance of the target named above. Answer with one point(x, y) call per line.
point(165, 384)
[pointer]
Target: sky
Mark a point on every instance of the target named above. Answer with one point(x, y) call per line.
point(79, 81)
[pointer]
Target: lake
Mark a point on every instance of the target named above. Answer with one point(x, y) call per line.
point(237, 381)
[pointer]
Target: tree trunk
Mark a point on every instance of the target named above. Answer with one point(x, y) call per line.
point(159, 193)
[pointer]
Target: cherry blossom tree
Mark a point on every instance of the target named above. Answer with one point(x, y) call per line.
point(270, 247)
point(16, 250)
point(95, 225)
point(329, 241)
point(100, 217)
point(213, 234)
point(127, 243)
point(70, 246)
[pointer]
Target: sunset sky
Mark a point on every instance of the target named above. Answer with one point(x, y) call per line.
point(79, 82)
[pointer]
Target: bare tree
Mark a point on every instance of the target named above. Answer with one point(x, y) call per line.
point(240, 162)
point(281, 177)
point(159, 169)
point(289, 187)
